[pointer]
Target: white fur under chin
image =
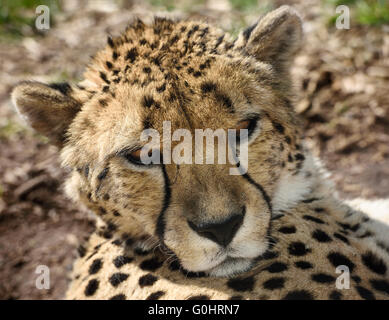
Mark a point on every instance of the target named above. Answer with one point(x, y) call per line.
point(231, 267)
point(292, 189)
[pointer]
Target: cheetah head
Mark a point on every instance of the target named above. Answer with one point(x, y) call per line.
point(193, 77)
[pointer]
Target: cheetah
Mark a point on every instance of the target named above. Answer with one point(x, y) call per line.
point(195, 231)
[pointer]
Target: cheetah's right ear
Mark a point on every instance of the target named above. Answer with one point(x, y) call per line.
point(49, 109)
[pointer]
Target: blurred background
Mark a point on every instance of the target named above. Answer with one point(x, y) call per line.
point(341, 79)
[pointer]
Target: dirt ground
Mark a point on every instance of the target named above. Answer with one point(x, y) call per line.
point(341, 79)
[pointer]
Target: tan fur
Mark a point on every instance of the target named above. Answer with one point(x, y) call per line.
point(196, 77)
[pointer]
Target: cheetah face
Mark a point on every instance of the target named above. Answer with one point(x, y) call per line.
point(210, 220)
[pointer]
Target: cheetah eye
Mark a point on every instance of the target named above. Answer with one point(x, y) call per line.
point(135, 157)
point(250, 124)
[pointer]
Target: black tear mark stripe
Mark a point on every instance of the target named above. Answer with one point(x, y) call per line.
point(160, 230)
point(261, 189)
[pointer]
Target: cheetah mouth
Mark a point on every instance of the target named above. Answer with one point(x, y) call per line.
point(231, 267)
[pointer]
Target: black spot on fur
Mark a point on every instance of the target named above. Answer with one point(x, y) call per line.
point(141, 252)
point(366, 234)
point(247, 32)
point(107, 235)
point(91, 287)
point(277, 267)
point(287, 230)
point(374, 263)
point(118, 278)
point(380, 285)
point(109, 65)
point(174, 265)
point(81, 251)
point(150, 264)
point(338, 259)
point(310, 200)
point(119, 296)
point(132, 54)
point(298, 249)
point(355, 227)
point(147, 70)
point(341, 237)
point(128, 241)
point(383, 246)
point(117, 242)
point(219, 41)
point(147, 280)
point(303, 265)
point(190, 274)
point(199, 297)
point(62, 87)
point(162, 88)
point(208, 87)
point(314, 219)
point(95, 266)
point(116, 213)
point(226, 101)
point(148, 101)
point(298, 295)
point(321, 236)
point(299, 157)
point(241, 284)
point(102, 211)
point(270, 255)
point(103, 76)
point(323, 278)
point(111, 226)
point(274, 283)
point(103, 174)
point(103, 102)
point(110, 42)
point(155, 295)
point(335, 295)
point(120, 261)
point(279, 127)
point(365, 293)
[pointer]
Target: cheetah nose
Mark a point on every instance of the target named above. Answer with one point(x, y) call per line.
point(221, 233)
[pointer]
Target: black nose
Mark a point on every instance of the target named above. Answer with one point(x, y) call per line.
point(221, 233)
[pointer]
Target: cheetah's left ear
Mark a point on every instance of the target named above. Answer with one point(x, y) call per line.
point(275, 38)
point(49, 109)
